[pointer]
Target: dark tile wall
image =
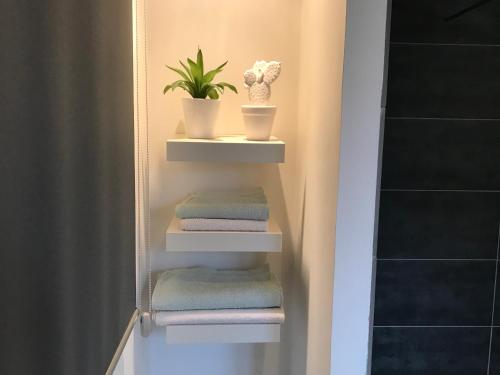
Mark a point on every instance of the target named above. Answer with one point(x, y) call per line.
point(430, 351)
point(437, 296)
point(468, 84)
point(424, 21)
point(442, 154)
point(436, 292)
point(495, 349)
point(438, 225)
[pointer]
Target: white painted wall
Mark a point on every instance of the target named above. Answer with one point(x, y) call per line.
point(358, 185)
point(307, 36)
point(322, 45)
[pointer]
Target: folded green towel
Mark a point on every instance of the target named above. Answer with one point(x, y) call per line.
point(210, 289)
point(244, 204)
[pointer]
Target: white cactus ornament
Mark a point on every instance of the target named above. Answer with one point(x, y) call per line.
point(258, 80)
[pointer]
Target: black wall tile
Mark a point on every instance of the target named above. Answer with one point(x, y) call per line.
point(495, 352)
point(441, 154)
point(424, 21)
point(496, 320)
point(434, 293)
point(443, 81)
point(438, 225)
point(430, 351)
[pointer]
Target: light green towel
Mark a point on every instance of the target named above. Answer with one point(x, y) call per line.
point(210, 289)
point(245, 204)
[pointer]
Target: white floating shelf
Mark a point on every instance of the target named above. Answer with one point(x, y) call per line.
point(231, 148)
point(202, 241)
point(222, 333)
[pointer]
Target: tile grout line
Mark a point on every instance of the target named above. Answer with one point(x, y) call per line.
point(427, 326)
point(441, 190)
point(494, 301)
point(440, 118)
point(429, 44)
point(437, 259)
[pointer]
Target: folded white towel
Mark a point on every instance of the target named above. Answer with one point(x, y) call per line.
point(225, 316)
point(228, 225)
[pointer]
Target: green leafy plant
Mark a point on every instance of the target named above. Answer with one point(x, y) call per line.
point(198, 83)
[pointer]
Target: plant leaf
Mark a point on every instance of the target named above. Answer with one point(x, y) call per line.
point(195, 70)
point(196, 82)
point(204, 89)
point(186, 87)
point(211, 74)
point(174, 85)
point(188, 71)
point(213, 94)
point(228, 85)
point(199, 60)
point(180, 72)
point(219, 68)
point(197, 78)
point(219, 88)
point(191, 88)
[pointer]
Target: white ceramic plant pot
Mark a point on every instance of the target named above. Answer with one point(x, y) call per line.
point(258, 121)
point(200, 116)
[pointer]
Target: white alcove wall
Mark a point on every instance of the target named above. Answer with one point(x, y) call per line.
point(307, 36)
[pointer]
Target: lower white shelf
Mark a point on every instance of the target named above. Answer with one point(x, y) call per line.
point(202, 241)
point(222, 333)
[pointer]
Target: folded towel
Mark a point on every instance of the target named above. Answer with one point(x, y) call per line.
point(245, 204)
point(227, 316)
point(203, 288)
point(229, 225)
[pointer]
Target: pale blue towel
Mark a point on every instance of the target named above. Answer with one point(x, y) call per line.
point(209, 289)
point(244, 204)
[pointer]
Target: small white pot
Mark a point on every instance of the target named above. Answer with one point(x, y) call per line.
point(200, 116)
point(258, 121)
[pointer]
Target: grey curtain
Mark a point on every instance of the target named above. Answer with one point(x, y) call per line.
point(67, 258)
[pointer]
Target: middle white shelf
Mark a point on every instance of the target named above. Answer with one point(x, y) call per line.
point(178, 240)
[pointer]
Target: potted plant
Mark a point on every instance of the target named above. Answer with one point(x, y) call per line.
point(200, 111)
point(259, 115)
